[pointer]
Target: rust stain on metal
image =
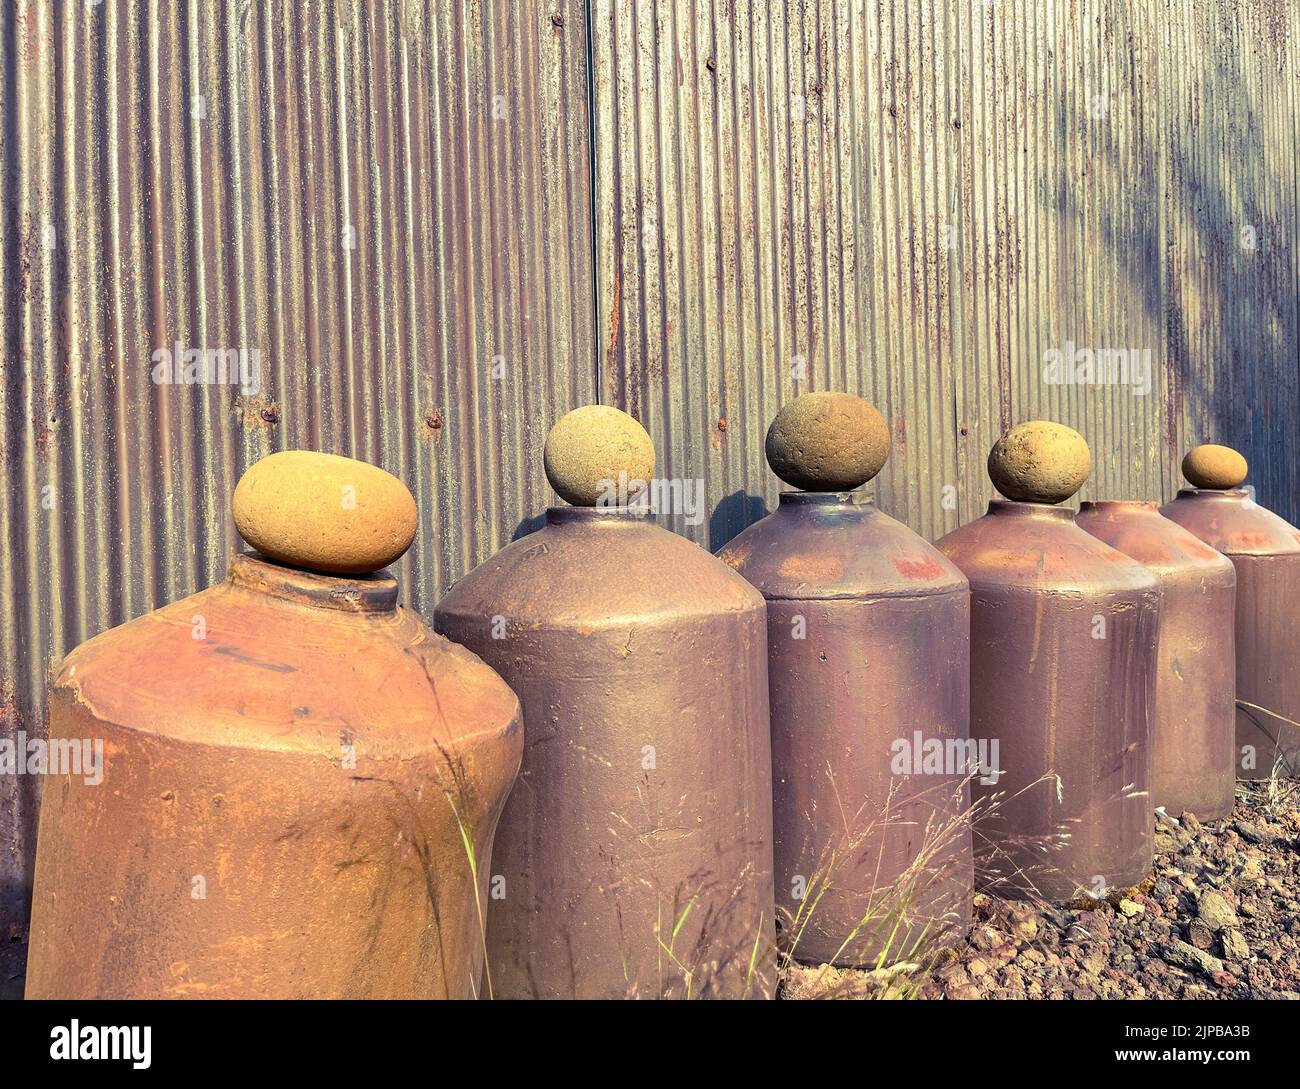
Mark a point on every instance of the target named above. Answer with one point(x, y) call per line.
point(926, 569)
point(801, 566)
point(615, 314)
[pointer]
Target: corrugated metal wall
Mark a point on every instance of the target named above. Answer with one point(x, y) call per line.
point(1230, 231)
point(393, 203)
point(919, 201)
point(390, 202)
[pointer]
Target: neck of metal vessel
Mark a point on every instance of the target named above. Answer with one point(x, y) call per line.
point(1210, 495)
point(584, 516)
point(376, 593)
point(827, 501)
point(1040, 512)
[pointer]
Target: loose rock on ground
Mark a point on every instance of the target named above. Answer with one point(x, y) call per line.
point(1219, 917)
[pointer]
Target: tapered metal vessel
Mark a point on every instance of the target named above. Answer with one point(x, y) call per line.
point(634, 857)
point(290, 762)
point(1265, 550)
point(1193, 725)
point(868, 675)
point(1063, 645)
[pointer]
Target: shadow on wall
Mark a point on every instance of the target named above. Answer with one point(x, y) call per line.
point(1215, 270)
point(733, 514)
point(529, 525)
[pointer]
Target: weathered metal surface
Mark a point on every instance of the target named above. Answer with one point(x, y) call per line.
point(389, 202)
point(914, 200)
point(1063, 655)
point(635, 853)
point(1265, 550)
point(868, 664)
point(290, 762)
point(924, 202)
point(1193, 756)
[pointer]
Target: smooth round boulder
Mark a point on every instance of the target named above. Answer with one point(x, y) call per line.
point(1217, 467)
point(324, 512)
point(1040, 462)
point(827, 442)
point(598, 455)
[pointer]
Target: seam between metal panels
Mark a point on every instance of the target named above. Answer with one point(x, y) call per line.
point(593, 117)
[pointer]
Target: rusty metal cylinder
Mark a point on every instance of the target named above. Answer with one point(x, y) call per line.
point(634, 858)
point(1265, 550)
point(299, 784)
point(1063, 651)
point(1063, 645)
point(1193, 755)
point(868, 667)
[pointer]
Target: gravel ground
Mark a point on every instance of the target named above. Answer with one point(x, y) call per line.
point(1218, 918)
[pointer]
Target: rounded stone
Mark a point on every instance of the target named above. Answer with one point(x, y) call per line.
point(593, 452)
point(827, 442)
point(324, 512)
point(1218, 467)
point(1040, 462)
